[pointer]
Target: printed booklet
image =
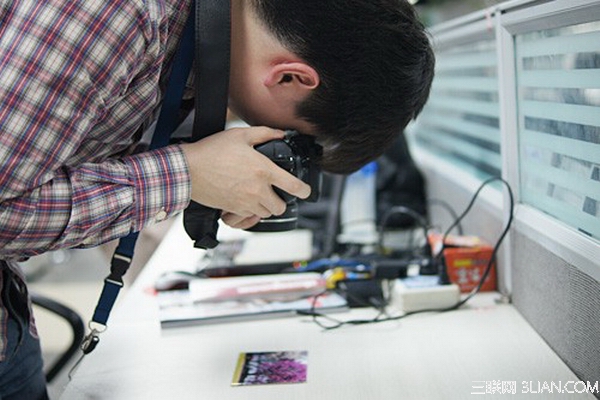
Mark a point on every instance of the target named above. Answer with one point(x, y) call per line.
point(245, 298)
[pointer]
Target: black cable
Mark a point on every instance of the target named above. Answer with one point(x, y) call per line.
point(450, 211)
point(339, 323)
point(498, 242)
point(418, 218)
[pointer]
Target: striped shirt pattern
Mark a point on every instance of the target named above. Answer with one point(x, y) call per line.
point(79, 80)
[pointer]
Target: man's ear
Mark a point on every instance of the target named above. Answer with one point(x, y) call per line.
point(294, 73)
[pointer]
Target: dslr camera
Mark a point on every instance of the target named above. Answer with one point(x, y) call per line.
point(299, 155)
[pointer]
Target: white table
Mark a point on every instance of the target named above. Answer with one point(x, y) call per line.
point(433, 356)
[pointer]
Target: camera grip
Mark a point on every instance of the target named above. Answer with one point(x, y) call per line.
point(201, 224)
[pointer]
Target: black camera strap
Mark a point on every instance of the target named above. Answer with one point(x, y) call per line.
point(207, 33)
point(211, 70)
point(211, 66)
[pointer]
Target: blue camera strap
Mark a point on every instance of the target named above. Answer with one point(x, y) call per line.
point(167, 122)
point(207, 31)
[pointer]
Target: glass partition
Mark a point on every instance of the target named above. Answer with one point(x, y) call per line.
point(461, 119)
point(558, 78)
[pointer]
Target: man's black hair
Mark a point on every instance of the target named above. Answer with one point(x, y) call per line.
point(375, 64)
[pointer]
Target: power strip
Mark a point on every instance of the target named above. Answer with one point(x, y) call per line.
point(424, 293)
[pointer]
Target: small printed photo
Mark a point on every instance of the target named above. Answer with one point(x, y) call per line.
point(262, 368)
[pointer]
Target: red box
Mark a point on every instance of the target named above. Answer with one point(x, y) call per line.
point(466, 257)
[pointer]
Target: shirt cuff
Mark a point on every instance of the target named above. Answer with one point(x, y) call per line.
point(162, 185)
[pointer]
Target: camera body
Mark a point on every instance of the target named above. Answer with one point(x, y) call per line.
point(298, 154)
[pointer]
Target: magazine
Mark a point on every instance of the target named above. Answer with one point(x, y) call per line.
point(246, 298)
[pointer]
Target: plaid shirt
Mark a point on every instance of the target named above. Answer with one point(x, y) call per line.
point(79, 80)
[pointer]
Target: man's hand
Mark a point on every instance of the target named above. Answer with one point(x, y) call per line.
point(235, 221)
point(228, 174)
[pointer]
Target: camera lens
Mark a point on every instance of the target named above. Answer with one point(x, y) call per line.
point(278, 223)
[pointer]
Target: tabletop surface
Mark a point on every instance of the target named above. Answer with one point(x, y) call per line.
point(484, 348)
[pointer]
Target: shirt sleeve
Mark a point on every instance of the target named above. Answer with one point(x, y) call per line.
point(66, 71)
point(95, 203)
